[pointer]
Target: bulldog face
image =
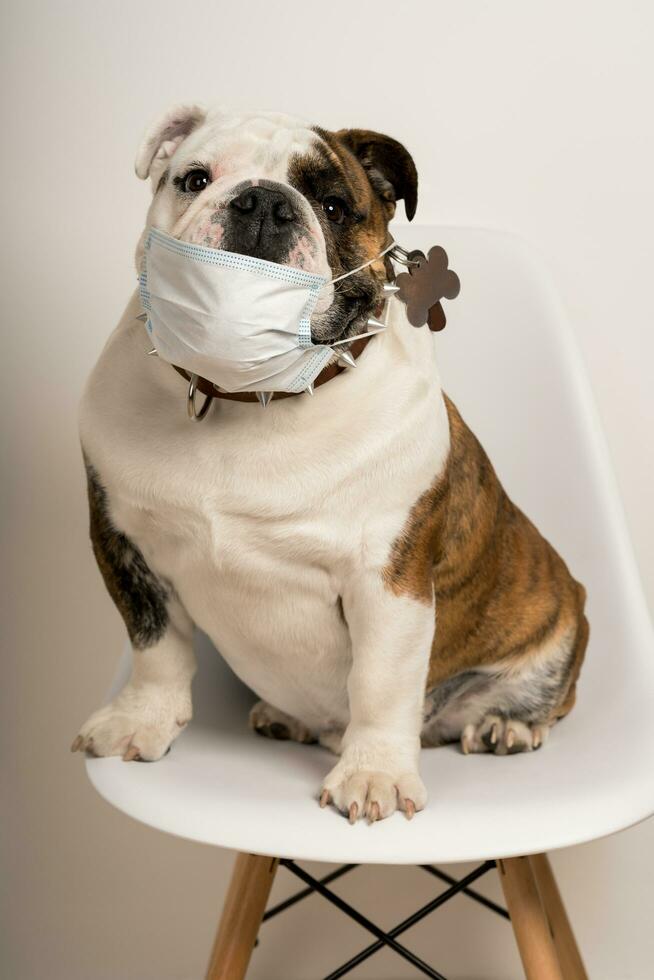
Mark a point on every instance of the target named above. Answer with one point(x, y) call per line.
point(271, 186)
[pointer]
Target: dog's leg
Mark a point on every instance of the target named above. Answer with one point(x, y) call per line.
point(512, 706)
point(155, 704)
point(391, 639)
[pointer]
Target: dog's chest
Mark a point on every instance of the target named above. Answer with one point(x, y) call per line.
point(263, 521)
point(261, 548)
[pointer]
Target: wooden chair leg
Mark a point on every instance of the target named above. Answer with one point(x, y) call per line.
point(243, 910)
point(528, 919)
point(572, 966)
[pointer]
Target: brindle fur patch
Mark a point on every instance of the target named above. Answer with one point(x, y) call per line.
point(138, 594)
point(501, 591)
point(333, 169)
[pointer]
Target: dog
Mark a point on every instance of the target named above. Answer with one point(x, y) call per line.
point(351, 554)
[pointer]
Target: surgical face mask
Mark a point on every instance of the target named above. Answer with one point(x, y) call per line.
point(241, 322)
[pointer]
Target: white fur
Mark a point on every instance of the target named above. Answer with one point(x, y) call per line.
point(262, 519)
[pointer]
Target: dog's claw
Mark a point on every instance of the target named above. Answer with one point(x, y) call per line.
point(409, 809)
point(78, 742)
point(510, 738)
point(493, 735)
point(374, 813)
point(467, 736)
point(325, 798)
point(353, 812)
point(131, 753)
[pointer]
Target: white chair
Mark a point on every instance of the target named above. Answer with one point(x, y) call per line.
point(508, 360)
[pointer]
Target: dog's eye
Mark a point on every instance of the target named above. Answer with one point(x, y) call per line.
point(196, 181)
point(335, 209)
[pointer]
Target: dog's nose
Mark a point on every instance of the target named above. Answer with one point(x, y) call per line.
point(262, 222)
point(265, 206)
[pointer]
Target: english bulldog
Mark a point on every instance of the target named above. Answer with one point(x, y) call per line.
point(351, 553)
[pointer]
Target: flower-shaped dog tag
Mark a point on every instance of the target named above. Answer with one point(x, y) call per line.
point(427, 282)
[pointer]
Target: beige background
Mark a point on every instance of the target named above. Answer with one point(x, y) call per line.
point(533, 117)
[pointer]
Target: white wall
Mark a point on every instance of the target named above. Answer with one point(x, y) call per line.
point(536, 117)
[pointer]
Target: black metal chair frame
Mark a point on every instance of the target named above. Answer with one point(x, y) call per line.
point(382, 937)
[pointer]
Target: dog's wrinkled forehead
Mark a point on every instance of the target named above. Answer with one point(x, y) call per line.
point(249, 146)
point(271, 185)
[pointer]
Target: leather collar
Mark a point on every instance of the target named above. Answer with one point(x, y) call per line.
point(331, 371)
point(207, 388)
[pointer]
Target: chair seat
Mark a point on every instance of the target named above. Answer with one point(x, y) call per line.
point(509, 363)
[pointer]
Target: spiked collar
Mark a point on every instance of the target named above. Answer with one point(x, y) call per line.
point(345, 358)
point(331, 371)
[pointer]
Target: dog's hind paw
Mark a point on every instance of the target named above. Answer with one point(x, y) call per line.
point(273, 723)
point(503, 736)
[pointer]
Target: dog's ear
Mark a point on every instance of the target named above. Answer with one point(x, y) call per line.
point(164, 136)
point(389, 166)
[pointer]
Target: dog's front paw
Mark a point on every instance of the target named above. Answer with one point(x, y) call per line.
point(373, 792)
point(136, 725)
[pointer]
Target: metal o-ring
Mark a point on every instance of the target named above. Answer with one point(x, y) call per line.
point(190, 401)
point(399, 254)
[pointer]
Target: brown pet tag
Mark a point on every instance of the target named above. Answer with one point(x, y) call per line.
point(427, 282)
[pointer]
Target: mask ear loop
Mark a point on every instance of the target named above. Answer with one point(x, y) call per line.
point(397, 254)
point(364, 265)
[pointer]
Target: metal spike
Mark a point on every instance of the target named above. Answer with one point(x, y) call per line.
point(390, 287)
point(346, 358)
point(309, 389)
point(142, 317)
point(154, 351)
point(265, 397)
point(376, 323)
